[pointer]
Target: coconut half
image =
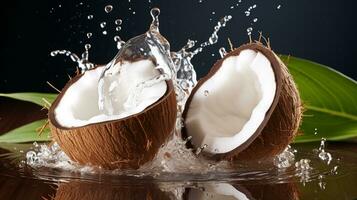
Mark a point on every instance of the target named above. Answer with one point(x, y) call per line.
point(247, 106)
point(127, 139)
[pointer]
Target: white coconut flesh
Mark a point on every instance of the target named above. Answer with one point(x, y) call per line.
point(79, 104)
point(222, 191)
point(229, 107)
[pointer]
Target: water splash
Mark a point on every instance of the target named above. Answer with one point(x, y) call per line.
point(323, 155)
point(286, 158)
point(83, 62)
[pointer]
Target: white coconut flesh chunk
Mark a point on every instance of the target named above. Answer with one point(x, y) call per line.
point(221, 191)
point(79, 105)
point(230, 106)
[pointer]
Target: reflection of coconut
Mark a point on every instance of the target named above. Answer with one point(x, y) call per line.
point(226, 191)
point(126, 140)
point(247, 107)
point(25, 188)
point(219, 191)
point(283, 191)
point(96, 191)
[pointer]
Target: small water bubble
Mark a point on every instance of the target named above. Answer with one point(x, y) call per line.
point(278, 7)
point(108, 8)
point(247, 13)
point(213, 13)
point(118, 28)
point(206, 93)
point(255, 19)
point(103, 24)
point(60, 6)
point(90, 17)
point(134, 12)
point(232, 7)
point(118, 21)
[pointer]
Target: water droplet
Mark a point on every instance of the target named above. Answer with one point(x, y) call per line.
point(117, 38)
point(108, 8)
point(89, 35)
point(104, 32)
point(118, 21)
point(206, 93)
point(118, 28)
point(255, 19)
point(278, 7)
point(90, 17)
point(155, 12)
point(103, 24)
point(222, 52)
point(87, 47)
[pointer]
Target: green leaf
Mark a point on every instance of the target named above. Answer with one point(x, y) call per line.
point(37, 98)
point(330, 100)
point(26, 133)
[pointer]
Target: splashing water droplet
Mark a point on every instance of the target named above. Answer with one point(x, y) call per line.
point(118, 21)
point(87, 47)
point(155, 12)
point(222, 52)
point(108, 8)
point(89, 35)
point(103, 24)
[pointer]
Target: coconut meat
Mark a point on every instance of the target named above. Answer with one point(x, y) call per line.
point(229, 107)
point(221, 191)
point(79, 104)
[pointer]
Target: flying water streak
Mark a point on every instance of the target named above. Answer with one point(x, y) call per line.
point(83, 61)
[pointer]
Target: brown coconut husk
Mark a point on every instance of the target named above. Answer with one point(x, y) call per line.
point(125, 143)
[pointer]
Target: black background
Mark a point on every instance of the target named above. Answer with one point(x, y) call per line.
point(319, 30)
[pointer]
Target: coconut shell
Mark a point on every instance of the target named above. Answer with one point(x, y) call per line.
point(282, 120)
point(125, 143)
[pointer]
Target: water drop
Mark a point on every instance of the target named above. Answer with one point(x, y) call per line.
point(278, 7)
point(222, 52)
point(104, 32)
point(108, 8)
point(103, 24)
point(155, 12)
point(118, 28)
point(87, 47)
point(255, 19)
point(89, 35)
point(206, 93)
point(90, 17)
point(118, 21)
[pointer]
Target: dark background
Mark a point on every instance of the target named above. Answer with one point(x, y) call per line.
point(319, 30)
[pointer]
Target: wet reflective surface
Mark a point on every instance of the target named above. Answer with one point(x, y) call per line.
point(257, 180)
